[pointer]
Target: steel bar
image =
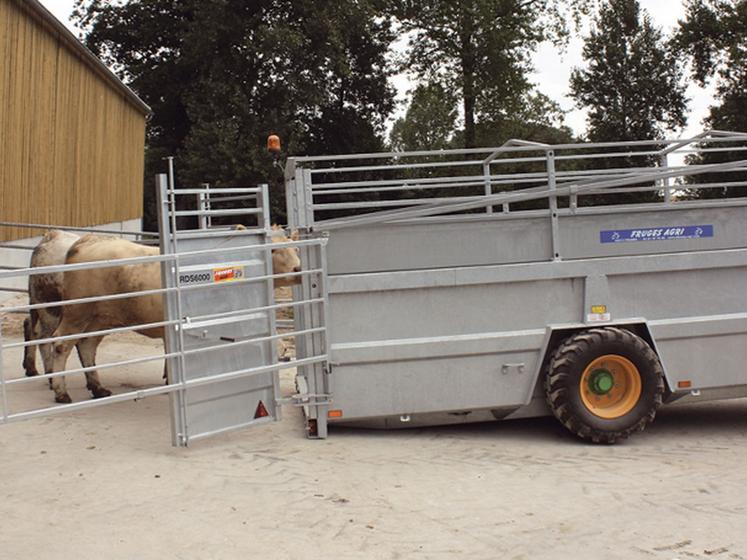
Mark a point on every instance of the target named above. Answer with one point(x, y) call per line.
point(104, 332)
point(730, 137)
point(225, 212)
point(143, 293)
point(17, 247)
point(217, 191)
point(216, 232)
point(141, 260)
point(129, 396)
point(436, 208)
point(355, 187)
point(537, 159)
point(108, 365)
point(73, 228)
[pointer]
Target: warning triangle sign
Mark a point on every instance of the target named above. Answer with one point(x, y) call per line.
point(261, 411)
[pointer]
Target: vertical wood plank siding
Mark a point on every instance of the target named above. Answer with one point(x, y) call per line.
point(71, 146)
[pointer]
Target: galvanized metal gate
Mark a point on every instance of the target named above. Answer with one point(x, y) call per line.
point(221, 309)
point(219, 317)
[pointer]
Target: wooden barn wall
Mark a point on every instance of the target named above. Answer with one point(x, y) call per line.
point(71, 148)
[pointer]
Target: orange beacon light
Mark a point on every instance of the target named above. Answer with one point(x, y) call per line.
point(273, 144)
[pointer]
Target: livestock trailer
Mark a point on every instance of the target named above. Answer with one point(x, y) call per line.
point(590, 281)
point(593, 282)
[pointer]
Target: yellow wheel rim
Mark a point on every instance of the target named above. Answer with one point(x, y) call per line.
point(610, 386)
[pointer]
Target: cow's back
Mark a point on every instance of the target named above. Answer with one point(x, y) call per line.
point(113, 280)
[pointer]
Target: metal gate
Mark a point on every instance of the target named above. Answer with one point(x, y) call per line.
point(222, 331)
point(218, 318)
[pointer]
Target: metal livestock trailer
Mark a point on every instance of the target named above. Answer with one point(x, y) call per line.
point(588, 281)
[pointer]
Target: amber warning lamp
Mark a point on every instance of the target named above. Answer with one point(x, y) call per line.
point(273, 144)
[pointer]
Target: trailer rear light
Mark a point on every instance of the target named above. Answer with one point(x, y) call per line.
point(334, 414)
point(686, 384)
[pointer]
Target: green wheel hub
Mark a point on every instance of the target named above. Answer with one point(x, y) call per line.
point(601, 382)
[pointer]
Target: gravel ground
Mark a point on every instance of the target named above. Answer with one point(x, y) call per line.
point(105, 483)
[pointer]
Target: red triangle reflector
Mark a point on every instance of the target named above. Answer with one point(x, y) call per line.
point(261, 411)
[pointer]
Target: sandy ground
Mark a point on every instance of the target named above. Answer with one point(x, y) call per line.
point(105, 483)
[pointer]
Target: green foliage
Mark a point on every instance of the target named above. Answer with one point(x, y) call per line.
point(632, 84)
point(429, 122)
point(480, 50)
point(534, 117)
point(714, 36)
point(220, 75)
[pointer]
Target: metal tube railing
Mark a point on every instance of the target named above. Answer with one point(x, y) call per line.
point(729, 137)
point(441, 207)
point(75, 228)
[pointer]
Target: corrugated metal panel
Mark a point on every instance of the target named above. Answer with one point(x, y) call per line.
point(71, 146)
point(35, 9)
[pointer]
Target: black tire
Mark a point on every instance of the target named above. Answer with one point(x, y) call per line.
point(565, 372)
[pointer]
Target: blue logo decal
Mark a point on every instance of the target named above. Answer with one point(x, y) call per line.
point(655, 234)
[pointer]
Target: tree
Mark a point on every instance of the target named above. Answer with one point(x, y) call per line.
point(429, 122)
point(534, 117)
point(713, 35)
point(481, 49)
point(632, 85)
point(220, 75)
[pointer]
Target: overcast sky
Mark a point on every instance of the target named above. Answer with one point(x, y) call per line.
point(553, 69)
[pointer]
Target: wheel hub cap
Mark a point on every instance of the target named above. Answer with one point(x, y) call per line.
point(610, 386)
point(601, 382)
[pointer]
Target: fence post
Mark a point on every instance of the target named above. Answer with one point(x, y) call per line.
point(4, 400)
point(664, 164)
point(488, 185)
point(553, 200)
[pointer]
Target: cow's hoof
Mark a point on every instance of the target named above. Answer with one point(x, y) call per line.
point(31, 372)
point(64, 398)
point(100, 392)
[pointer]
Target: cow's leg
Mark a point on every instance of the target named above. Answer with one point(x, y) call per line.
point(73, 322)
point(47, 322)
point(61, 351)
point(29, 352)
point(87, 354)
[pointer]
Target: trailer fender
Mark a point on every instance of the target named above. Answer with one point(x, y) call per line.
point(555, 334)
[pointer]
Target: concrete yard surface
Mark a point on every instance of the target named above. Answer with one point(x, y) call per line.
point(105, 483)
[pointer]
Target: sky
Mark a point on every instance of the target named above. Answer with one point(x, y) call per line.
point(553, 69)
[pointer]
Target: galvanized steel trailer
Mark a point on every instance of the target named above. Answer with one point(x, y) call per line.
point(481, 284)
point(447, 287)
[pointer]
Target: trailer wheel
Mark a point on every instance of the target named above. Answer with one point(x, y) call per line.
point(604, 384)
